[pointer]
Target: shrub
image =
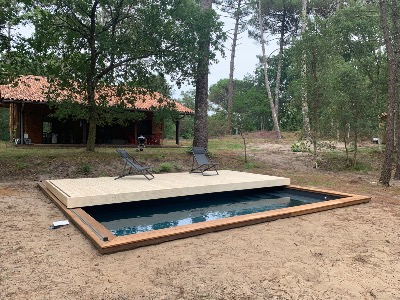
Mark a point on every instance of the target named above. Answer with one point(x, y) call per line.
point(167, 167)
point(85, 169)
point(301, 147)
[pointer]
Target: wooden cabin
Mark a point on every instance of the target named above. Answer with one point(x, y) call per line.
point(31, 120)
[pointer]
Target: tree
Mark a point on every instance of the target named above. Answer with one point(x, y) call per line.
point(274, 109)
point(386, 171)
point(238, 10)
point(249, 112)
point(203, 60)
point(4, 124)
point(279, 19)
point(396, 50)
point(355, 97)
point(120, 43)
point(304, 103)
point(11, 13)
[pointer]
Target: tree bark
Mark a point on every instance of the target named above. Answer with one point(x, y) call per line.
point(265, 66)
point(90, 81)
point(232, 67)
point(280, 60)
point(386, 171)
point(396, 50)
point(201, 98)
point(304, 101)
point(315, 96)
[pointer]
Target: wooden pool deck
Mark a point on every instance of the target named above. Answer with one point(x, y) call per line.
point(106, 190)
point(70, 195)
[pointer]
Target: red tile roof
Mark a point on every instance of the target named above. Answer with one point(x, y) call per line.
point(34, 89)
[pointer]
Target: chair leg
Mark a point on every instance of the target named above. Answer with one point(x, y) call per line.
point(192, 169)
point(123, 173)
point(148, 174)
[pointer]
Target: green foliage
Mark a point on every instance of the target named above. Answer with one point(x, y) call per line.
point(21, 165)
point(185, 123)
point(85, 169)
point(250, 108)
point(302, 146)
point(216, 125)
point(250, 165)
point(4, 124)
point(344, 75)
point(336, 161)
point(167, 167)
point(92, 45)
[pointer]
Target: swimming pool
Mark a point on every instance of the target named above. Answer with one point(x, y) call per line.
point(132, 212)
point(144, 216)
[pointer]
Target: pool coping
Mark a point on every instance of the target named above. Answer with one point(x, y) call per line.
point(106, 242)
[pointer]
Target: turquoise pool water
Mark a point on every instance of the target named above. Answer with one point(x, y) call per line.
point(142, 216)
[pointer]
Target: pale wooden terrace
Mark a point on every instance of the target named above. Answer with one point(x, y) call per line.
point(106, 190)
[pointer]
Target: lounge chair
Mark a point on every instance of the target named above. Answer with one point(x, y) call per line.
point(133, 165)
point(202, 161)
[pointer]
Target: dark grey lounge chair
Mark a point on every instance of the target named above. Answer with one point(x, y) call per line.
point(202, 161)
point(134, 166)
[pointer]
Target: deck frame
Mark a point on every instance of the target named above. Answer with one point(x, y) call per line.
point(107, 243)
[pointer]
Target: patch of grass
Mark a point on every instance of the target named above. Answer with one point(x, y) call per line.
point(168, 167)
point(234, 146)
point(361, 167)
point(250, 165)
point(85, 169)
point(336, 161)
point(20, 165)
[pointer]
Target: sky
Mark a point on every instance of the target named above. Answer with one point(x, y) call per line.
point(246, 59)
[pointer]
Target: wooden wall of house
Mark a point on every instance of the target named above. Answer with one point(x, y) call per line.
point(157, 132)
point(14, 121)
point(75, 131)
point(33, 121)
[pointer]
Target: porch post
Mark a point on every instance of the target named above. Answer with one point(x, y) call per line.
point(21, 124)
point(11, 121)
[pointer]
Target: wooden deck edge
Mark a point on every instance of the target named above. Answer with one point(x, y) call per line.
point(129, 242)
point(79, 222)
point(155, 237)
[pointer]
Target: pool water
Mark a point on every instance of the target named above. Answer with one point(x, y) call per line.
point(142, 216)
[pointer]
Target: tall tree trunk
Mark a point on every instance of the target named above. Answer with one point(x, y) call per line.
point(280, 60)
point(201, 98)
point(386, 171)
point(304, 101)
point(397, 133)
point(396, 49)
point(265, 65)
point(355, 147)
point(90, 82)
point(232, 67)
point(315, 106)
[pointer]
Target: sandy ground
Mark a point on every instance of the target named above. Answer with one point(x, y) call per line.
point(347, 253)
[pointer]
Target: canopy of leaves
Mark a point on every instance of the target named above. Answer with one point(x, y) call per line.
point(344, 72)
point(127, 43)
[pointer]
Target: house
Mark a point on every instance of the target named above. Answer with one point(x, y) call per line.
point(31, 119)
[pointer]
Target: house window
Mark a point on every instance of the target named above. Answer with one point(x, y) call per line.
point(47, 127)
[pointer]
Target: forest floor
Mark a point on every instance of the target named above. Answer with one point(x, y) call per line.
point(345, 253)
